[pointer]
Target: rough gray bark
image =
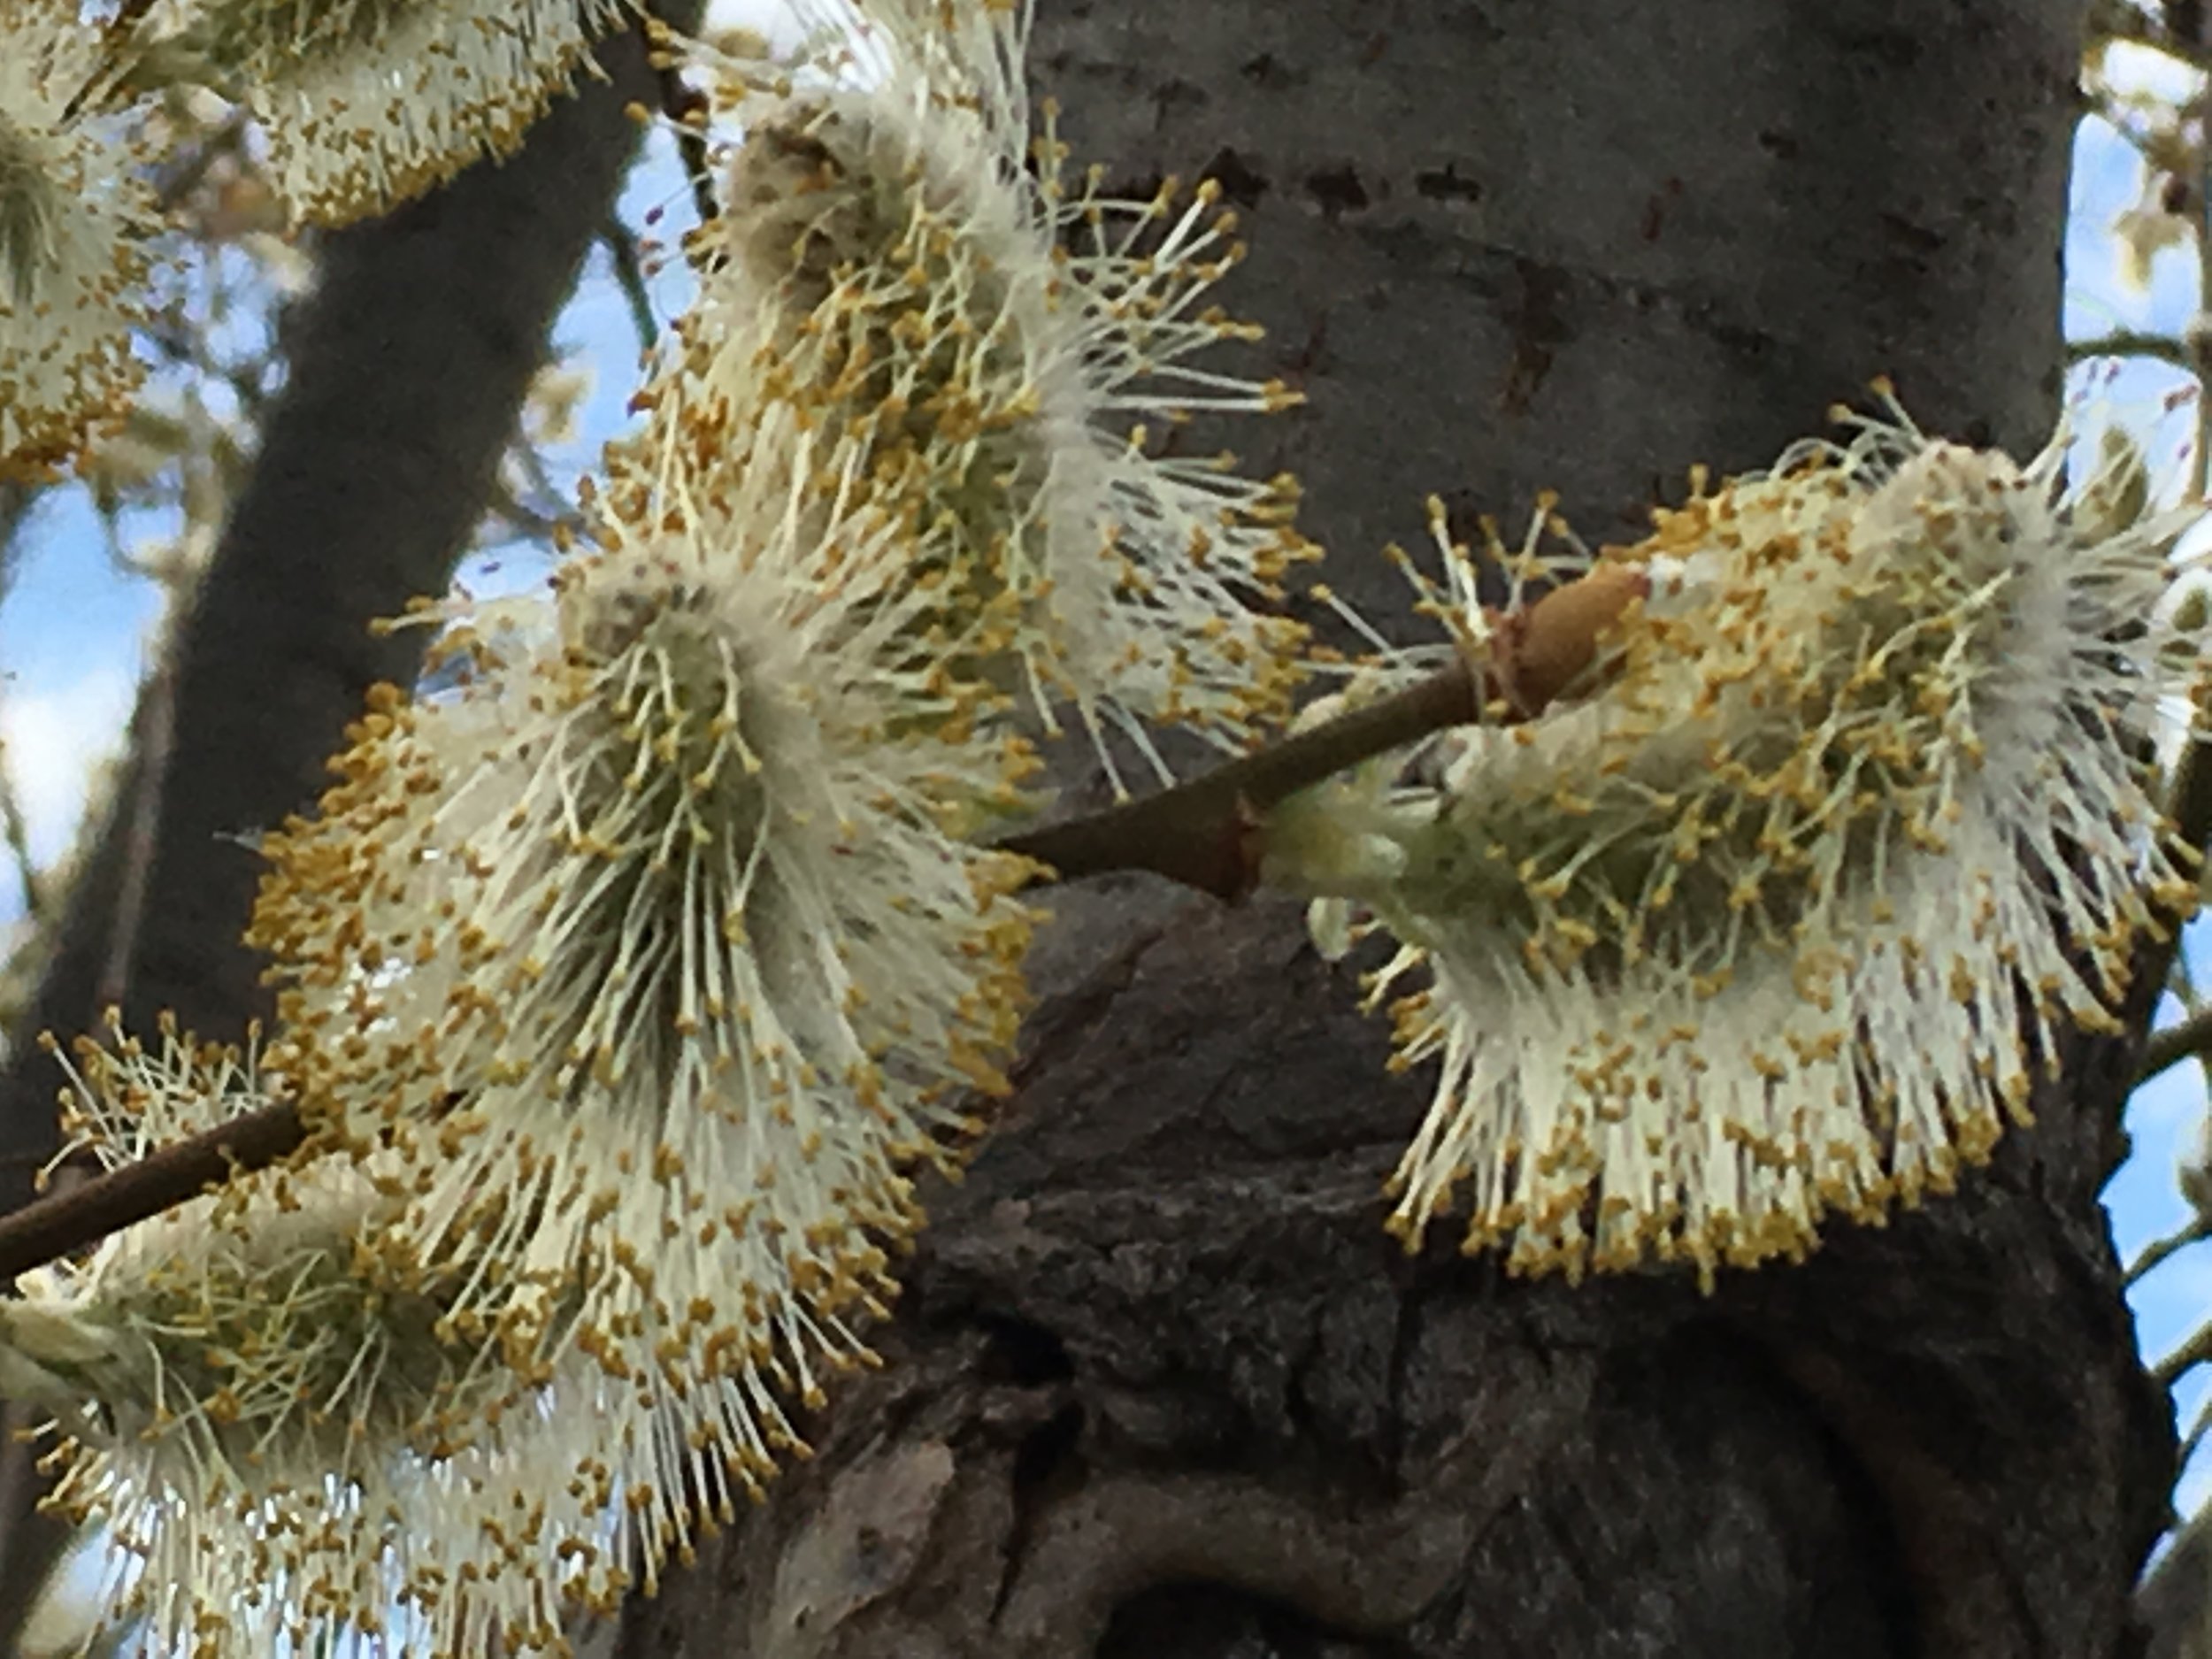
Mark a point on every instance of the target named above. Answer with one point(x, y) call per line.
point(405, 369)
point(1160, 1385)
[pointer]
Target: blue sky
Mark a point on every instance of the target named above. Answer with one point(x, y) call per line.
point(73, 626)
point(2164, 1117)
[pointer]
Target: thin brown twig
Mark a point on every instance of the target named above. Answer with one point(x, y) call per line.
point(2193, 1440)
point(1199, 833)
point(2168, 1048)
point(685, 108)
point(1196, 834)
point(1142, 835)
point(1192, 833)
point(629, 275)
point(2160, 1251)
point(2131, 342)
point(49, 1228)
point(2185, 1359)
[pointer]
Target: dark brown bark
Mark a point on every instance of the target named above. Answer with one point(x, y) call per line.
point(405, 369)
point(1161, 1385)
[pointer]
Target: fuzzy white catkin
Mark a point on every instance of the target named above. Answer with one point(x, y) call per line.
point(996, 351)
point(74, 224)
point(1772, 923)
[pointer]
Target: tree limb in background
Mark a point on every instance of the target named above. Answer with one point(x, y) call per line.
point(406, 368)
point(2176, 1043)
point(2128, 343)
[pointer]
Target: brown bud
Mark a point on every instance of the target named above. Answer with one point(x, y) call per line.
point(1548, 647)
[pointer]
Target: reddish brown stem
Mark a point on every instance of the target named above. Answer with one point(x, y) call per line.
point(1196, 832)
point(50, 1228)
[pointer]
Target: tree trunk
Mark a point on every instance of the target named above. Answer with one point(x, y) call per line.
point(1160, 1385)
